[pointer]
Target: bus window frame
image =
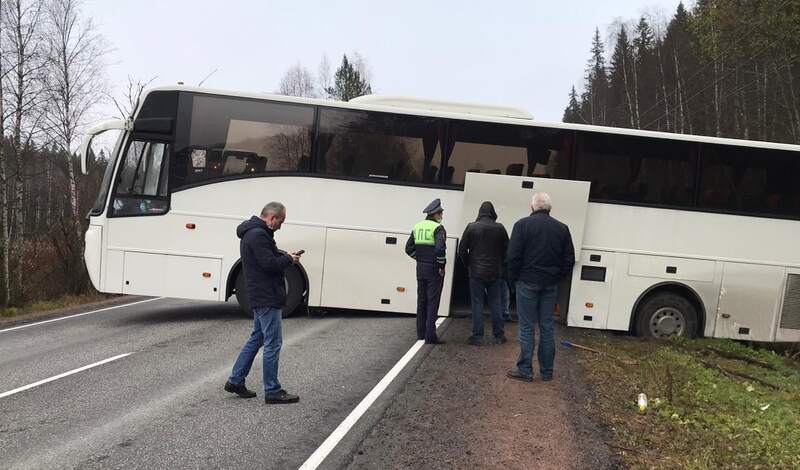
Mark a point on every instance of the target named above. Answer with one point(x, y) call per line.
point(150, 139)
point(122, 141)
point(183, 119)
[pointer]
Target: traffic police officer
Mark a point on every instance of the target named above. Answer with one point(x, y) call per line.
point(427, 246)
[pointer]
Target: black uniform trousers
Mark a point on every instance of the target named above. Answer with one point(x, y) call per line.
point(429, 292)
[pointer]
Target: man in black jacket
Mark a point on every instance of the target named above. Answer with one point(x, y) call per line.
point(263, 267)
point(482, 249)
point(540, 254)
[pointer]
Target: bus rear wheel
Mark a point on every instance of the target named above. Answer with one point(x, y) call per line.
point(666, 314)
point(294, 283)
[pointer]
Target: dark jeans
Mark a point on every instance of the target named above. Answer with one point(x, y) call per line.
point(266, 332)
point(486, 292)
point(429, 291)
point(535, 304)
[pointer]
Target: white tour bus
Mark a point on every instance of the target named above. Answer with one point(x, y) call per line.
point(674, 234)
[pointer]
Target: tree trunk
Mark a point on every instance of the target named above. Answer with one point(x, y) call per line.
point(663, 87)
point(628, 91)
point(793, 100)
point(790, 109)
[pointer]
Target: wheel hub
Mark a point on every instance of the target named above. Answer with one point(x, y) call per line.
point(667, 321)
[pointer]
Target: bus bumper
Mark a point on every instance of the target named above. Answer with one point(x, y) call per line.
point(92, 253)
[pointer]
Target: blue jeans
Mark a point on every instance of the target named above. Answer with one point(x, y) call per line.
point(535, 304)
point(480, 292)
point(266, 332)
point(504, 300)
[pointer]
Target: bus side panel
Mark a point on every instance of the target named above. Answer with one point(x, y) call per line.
point(637, 274)
point(292, 238)
point(590, 292)
point(370, 271)
point(172, 276)
point(112, 271)
point(750, 301)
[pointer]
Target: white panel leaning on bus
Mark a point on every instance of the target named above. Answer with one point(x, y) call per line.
point(683, 235)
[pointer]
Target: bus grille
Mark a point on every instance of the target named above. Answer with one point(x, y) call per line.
point(790, 315)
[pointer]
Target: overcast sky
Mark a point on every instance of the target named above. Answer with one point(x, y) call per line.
point(523, 53)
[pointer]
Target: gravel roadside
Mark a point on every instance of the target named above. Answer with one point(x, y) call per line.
point(458, 410)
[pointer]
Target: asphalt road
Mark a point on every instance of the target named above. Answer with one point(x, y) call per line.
point(163, 406)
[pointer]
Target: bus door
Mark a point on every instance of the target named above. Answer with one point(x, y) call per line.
point(511, 197)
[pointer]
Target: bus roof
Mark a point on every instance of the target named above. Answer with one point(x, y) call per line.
point(467, 111)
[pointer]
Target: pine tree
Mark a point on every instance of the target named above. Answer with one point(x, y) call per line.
point(573, 111)
point(620, 99)
point(595, 98)
point(645, 87)
point(348, 83)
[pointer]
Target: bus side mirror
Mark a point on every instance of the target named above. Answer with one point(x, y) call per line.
point(86, 147)
point(99, 128)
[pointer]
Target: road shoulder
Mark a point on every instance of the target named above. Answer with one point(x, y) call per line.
point(458, 410)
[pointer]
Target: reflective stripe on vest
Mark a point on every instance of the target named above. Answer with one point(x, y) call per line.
point(423, 232)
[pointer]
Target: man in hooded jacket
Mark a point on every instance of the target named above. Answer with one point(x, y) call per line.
point(482, 249)
point(263, 266)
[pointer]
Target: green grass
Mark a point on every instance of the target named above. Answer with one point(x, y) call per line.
point(706, 418)
point(54, 304)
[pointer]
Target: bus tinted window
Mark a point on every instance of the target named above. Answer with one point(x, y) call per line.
point(379, 145)
point(506, 149)
point(636, 169)
point(230, 136)
point(750, 180)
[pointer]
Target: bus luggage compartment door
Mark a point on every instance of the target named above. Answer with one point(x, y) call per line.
point(186, 277)
point(368, 270)
point(511, 197)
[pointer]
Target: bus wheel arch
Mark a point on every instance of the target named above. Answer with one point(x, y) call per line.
point(668, 302)
point(297, 288)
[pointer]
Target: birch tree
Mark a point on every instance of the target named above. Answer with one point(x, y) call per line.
point(25, 59)
point(75, 82)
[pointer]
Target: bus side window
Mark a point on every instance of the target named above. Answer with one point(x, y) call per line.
point(749, 180)
point(141, 187)
point(492, 148)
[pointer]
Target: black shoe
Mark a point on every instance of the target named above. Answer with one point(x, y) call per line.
point(514, 374)
point(510, 320)
point(280, 397)
point(547, 378)
point(434, 341)
point(500, 340)
point(474, 342)
point(240, 390)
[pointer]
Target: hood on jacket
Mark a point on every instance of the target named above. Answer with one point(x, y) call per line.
point(487, 210)
point(247, 225)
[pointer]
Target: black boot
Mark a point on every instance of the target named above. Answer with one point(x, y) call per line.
point(240, 390)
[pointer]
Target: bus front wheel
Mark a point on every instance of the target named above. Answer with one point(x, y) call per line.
point(666, 314)
point(293, 280)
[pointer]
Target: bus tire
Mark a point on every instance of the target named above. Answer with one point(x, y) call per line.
point(666, 314)
point(294, 292)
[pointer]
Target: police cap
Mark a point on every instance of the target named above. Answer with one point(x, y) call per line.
point(433, 207)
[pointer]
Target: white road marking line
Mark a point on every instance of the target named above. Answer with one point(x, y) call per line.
point(79, 314)
point(59, 376)
point(330, 443)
